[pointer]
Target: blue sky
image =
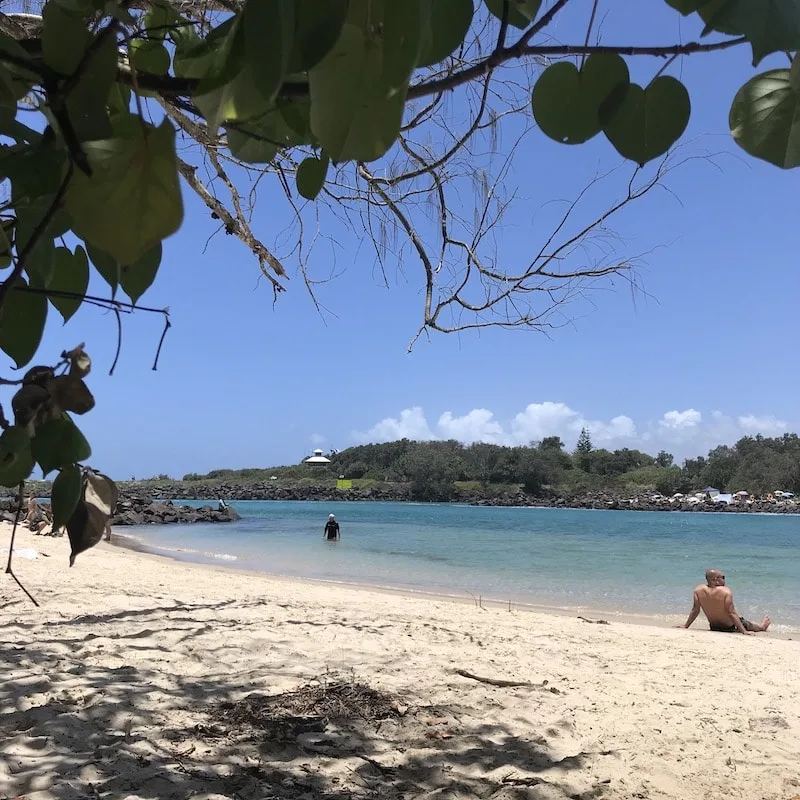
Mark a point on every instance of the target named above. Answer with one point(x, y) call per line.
point(706, 355)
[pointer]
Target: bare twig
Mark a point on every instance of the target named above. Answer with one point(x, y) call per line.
point(119, 341)
point(9, 570)
point(167, 326)
point(589, 29)
point(494, 681)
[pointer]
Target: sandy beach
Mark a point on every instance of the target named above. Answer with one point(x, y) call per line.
point(141, 677)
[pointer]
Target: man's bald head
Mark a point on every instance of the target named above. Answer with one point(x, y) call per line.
point(714, 577)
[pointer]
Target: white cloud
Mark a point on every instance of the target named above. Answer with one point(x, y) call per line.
point(477, 426)
point(317, 438)
point(545, 419)
point(685, 434)
point(539, 420)
point(681, 420)
point(766, 426)
point(410, 425)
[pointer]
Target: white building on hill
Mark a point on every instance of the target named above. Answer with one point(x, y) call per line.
point(317, 458)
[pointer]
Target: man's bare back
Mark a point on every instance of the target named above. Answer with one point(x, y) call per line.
point(715, 600)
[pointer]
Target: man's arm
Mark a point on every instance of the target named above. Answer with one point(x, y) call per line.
point(735, 618)
point(694, 612)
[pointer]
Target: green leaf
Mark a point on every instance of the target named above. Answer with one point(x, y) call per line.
point(249, 144)
point(149, 56)
point(16, 461)
point(85, 529)
point(765, 118)
point(138, 277)
point(286, 124)
point(22, 320)
point(6, 234)
point(107, 266)
point(12, 47)
point(158, 21)
point(566, 103)
point(70, 393)
point(71, 274)
point(101, 492)
point(402, 41)
point(119, 99)
point(15, 82)
point(58, 443)
point(133, 199)
point(86, 104)
point(643, 124)
point(31, 208)
point(354, 113)
point(316, 28)
point(237, 101)
point(40, 264)
point(310, 176)
point(114, 9)
point(268, 27)
point(36, 173)
point(265, 35)
point(65, 37)
point(520, 13)
point(444, 30)
point(771, 26)
point(65, 494)
point(215, 60)
point(29, 401)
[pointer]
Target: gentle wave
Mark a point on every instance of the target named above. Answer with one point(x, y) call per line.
point(158, 548)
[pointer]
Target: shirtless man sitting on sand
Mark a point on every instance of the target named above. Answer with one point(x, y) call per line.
point(716, 601)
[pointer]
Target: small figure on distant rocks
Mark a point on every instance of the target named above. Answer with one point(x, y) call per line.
point(33, 511)
point(331, 532)
point(223, 506)
point(36, 519)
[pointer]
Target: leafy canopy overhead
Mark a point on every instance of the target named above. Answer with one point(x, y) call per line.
point(311, 92)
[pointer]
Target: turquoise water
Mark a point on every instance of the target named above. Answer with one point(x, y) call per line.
point(613, 561)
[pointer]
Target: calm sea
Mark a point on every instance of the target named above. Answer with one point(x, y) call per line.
point(610, 561)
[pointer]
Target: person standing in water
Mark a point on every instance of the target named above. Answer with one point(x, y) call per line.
point(331, 532)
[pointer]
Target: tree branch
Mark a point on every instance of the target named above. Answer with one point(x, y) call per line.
point(232, 225)
point(476, 70)
point(170, 86)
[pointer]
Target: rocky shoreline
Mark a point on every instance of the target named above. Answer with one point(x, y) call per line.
point(130, 511)
point(145, 511)
point(139, 504)
point(399, 493)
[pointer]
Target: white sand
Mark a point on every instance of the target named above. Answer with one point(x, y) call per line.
point(107, 689)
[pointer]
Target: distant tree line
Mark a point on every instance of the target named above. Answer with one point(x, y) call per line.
point(432, 469)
